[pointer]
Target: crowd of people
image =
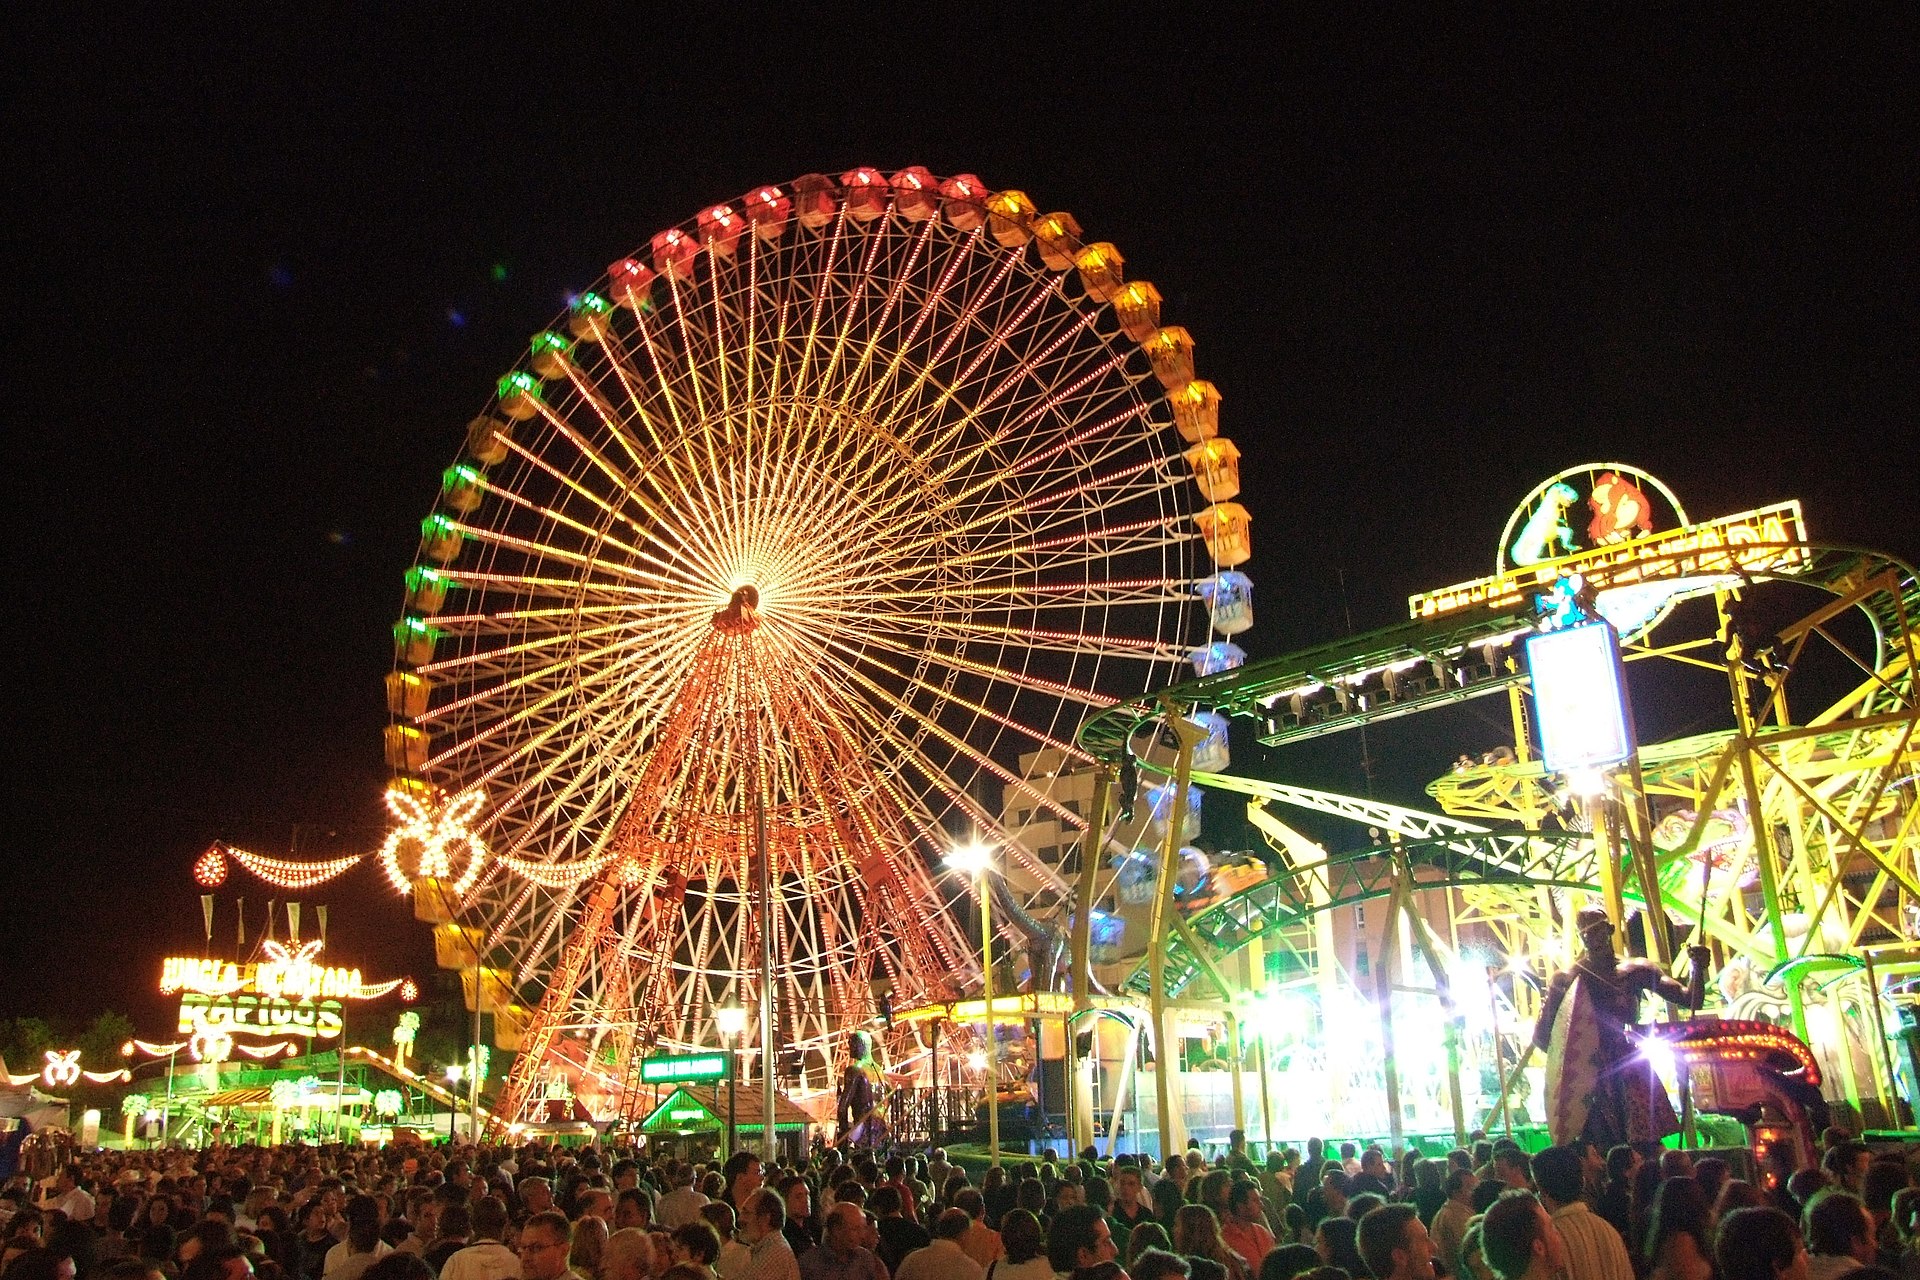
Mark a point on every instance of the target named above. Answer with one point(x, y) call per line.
point(1489, 1212)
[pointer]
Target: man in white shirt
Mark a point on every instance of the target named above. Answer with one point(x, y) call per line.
point(1595, 1250)
point(942, 1258)
point(680, 1205)
point(486, 1258)
point(67, 1195)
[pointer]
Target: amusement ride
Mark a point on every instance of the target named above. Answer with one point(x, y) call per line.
point(866, 528)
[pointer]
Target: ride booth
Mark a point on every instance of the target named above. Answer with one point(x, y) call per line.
point(692, 1121)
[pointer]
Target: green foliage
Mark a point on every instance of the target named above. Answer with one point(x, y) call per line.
point(24, 1043)
point(100, 1043)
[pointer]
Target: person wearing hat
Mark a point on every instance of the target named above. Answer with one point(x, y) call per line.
point(1600, 1088)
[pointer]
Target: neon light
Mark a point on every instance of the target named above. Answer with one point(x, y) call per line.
point(699, 1066)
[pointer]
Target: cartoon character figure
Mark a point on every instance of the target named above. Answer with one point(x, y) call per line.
point(1546, 529)
point(1619, 507)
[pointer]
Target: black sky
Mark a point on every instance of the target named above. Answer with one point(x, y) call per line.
point(255, 298)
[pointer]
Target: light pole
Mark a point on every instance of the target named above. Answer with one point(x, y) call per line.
point(732, 1020)
point(976, 859)
point(453, 1103)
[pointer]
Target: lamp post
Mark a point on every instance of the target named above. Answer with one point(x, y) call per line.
point(453, 1103)
point(976, 859)
point(732, 1020)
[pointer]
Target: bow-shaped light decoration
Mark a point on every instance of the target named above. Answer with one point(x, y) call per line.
point(441, 835)
point(62, 1069)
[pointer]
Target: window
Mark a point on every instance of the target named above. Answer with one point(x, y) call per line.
point(1361, 965)
point(1360, 915)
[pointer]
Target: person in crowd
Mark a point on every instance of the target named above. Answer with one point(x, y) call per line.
point(981, 1243)
point(453, 1231)
point(363, 1246)
point(544, 1245)
point(797, 1195)
point(681, 1204)
point(629, 1255)
point(1519, 1240)
point(762, 1222)
point(486, 1257)
point(1288, 1261)
point(1884, 1179)
point(1735, 1193)
point(1429, 1189)
point(1363, 1204)
point(845, 1251)
point(1615, 1202)
point(1159, 1264)
point(1759, 1242)
point(1594, 1249)
point(1244, 1230)
point(734, 1255)
point(399, 1266)
point(1449, 1225)
point(942, 1258)
point(1846, 1163)
point(314, 1242)
point(1335, 1239)
point(1196, 1237)
point(1148, 1235)
point(1374, 1175)
point(1839, 1234)
point(1679, 1238)
point(1080, 1245)
point(1394, 1243)
point(898, 1235)
point(590, 1236)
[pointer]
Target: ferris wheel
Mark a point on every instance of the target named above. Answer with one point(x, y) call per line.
point(798, 531)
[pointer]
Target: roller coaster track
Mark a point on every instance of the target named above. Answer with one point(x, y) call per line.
point(1421, 664)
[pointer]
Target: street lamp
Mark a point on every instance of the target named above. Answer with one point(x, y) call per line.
point(732, 1020)
point(976, 859)
point(453, 1102)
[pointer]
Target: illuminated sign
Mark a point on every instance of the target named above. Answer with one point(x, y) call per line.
point(697, 1066)
point(287, 997)
point(688, 1113)
point(1768, 539)
point(1578, 697)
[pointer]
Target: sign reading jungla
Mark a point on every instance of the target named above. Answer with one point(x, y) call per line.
point(263, 1007)
point(1637, 549)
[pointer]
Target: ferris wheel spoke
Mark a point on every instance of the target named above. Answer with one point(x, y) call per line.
point(1035, 733)
point(660, 526)
point(956, 794)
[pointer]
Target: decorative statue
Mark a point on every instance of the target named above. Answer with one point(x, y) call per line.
point(1546, 533)
point(861, 1094)
point(1599, 1086)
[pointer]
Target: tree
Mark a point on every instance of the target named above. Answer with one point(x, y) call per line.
point(100, 1042)
point(24, 1043)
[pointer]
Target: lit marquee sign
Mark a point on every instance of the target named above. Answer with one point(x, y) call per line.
point(1633, 560)
point(288, 997)
point(1579, 700)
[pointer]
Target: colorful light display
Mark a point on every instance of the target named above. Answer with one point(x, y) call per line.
point(260, 1008)
point(949, 568)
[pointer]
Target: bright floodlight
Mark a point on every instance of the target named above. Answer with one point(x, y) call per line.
point(976, 1061)
point(453, 1075)
point(970, 858)
point(731, 1019)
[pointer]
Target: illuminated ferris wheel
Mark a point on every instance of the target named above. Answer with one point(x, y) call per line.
point(798, 531)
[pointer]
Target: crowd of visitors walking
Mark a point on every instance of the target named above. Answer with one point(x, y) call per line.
point(1489, 1212)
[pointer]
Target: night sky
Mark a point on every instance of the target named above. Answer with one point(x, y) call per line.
point(266, 270)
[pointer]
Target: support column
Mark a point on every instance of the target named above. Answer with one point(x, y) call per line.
point(1172, 1122)
point(1092, 850)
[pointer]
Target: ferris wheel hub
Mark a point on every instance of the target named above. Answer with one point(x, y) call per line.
point(742, 614)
